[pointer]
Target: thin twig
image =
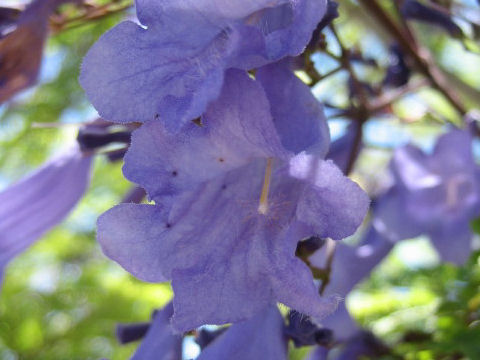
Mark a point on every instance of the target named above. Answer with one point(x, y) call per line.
point(95, 13)
point(421, 57)
point(345, 61)
point(388, 98)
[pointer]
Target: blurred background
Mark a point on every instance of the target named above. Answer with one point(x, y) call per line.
point(61, 299)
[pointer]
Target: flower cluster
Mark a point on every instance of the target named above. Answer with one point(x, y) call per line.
point(233, 161)
point(436, 194)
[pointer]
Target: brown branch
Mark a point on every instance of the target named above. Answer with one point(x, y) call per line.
point(357, 145)
point(345, 62)
point(380, 103)
point(422, 58)
point(59, 24)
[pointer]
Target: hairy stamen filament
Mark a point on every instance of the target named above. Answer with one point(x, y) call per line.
point(263, 205)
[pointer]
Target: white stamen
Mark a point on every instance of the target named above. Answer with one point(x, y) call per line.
point(263, 205)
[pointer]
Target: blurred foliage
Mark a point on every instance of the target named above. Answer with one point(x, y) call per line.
point(62, 298)
point(430, 312)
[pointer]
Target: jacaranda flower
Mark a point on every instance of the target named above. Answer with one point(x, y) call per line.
point(259, 338)
point(174, 65)
point(436, 194)
point(351, 265)
point(233, 197)
point(40, 201)
point(160, 343)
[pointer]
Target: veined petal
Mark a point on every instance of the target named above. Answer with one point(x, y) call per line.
point(169, 71)
point(40, 201)
point(160, 343)
point(135, 75)
point(277, 31)
point(226, 260)
point(330, 202)
point(127, 235)
point(298, 115)
point(295, 25)
point(260, 338)
point(285, 26)
point(236, 129)
point(151, 12)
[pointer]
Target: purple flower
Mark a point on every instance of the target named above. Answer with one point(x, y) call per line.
point(160, 343)
point(21, 47)
point(233, 198)
point(436, 194)
point(259, 338)
point(40, 201)
point(174, 66)
point(351, 264)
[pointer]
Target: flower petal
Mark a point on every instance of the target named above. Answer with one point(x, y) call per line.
point(172, 12)
point(459, 159)
point(351, 265)
point(260, 338)
point(235, 129)
point(453, 241)
point(296, 24)
point(40, 201)
point(226, 260)
point(391, 218)
point(127, 235)
point(135, 75)
point(411, 167)
point(333, 204)
point(298, 115)
point(160, 343)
